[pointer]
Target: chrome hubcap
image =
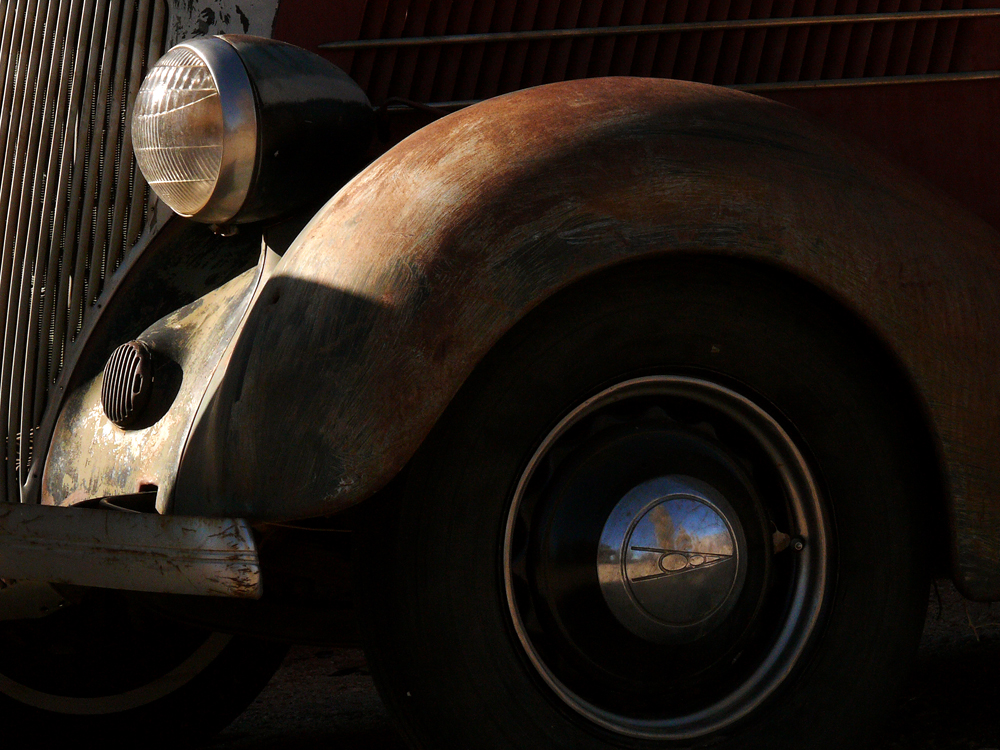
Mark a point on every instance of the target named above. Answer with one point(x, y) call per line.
point(670, 559)
point(642, 577)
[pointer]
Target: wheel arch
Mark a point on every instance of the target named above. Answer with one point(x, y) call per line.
point(926, 460)
point(411, 273)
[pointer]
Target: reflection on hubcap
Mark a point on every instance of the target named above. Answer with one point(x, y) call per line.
point(670, 559)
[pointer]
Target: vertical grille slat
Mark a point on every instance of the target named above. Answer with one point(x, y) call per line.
point(407, 61)
point(385, 60)
point(451, 57)
point(75, 257)
point(123, 168)
point(881, 43)
point(71, 200)
point(109, 116)
point(580, 53)
point(775, 44)
point(690, 44)
point(426, 68)
point(902, 42)
point(669, 45)
point(32, 279)
point(644, 55)
point(493, 55)
point(609, 13)
point(538, 52)
point(513, 67)
point(86, 260)
point(795, 44)
point(139, 190)
point(471, 56)
point(840, 42)
point(558, 58)
point(752, 50)
point(819, 40)
point(923, 41)
point(52, 207)
point(711, 43)
point(11, 41)
point(10, 391)
point(363, 62)
point(944, 40)
point(861, 37)
point(732, 49)
point(623, 49)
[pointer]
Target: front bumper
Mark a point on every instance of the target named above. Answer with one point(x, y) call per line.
point(127, 550)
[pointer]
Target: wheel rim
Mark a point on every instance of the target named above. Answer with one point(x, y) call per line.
point(603, 606)
point(101, 655)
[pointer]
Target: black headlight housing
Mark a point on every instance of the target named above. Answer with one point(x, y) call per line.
point(233, 129)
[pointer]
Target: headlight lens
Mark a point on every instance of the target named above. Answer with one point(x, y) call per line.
point(177, 131)
point(194, 130)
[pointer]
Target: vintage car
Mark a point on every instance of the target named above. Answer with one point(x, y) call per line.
point(618, 372)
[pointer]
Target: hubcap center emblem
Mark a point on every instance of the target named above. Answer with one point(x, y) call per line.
point(669, 561)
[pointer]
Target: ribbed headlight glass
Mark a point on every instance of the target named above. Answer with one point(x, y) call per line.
point(178, 131)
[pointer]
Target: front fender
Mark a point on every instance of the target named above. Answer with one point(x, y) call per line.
point(401, 283)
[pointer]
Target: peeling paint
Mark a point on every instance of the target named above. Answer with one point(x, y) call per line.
point(189, 18)
point(91, 457)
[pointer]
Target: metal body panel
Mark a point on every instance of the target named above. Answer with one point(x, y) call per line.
point(134, 551)
point(395, 290)
point(941, 131)
point(91, 457)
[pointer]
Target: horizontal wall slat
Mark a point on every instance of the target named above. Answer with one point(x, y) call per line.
point(442, 51)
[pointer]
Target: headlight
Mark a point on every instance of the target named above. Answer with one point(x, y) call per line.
point(230, 129)
point(194, 130)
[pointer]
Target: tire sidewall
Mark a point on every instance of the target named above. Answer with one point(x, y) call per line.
point(442, 643)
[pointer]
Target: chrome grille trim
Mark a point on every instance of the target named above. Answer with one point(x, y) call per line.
point(71, 200)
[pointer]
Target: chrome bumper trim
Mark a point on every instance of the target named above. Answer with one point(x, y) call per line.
point(135, 551)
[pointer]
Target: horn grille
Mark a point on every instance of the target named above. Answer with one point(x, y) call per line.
point(128, 380)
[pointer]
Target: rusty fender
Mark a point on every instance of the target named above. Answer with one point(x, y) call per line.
point(397, 288)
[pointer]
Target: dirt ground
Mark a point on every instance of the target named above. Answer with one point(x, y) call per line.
point(323, 698)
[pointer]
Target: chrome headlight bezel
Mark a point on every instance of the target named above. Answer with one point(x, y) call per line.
point(239, 130)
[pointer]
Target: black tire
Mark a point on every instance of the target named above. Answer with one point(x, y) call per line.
point(108, 669)
point(473, 644)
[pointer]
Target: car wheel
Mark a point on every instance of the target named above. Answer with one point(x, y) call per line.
point(679, 505)
point(106, 667)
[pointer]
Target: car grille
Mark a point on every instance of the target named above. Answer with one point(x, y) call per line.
point(71, 199)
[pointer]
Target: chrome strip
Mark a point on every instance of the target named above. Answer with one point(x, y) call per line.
point(976, 75)
point(658, 28)
point(135, 551)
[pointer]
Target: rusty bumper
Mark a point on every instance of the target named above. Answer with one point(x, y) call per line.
point(136, 551)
